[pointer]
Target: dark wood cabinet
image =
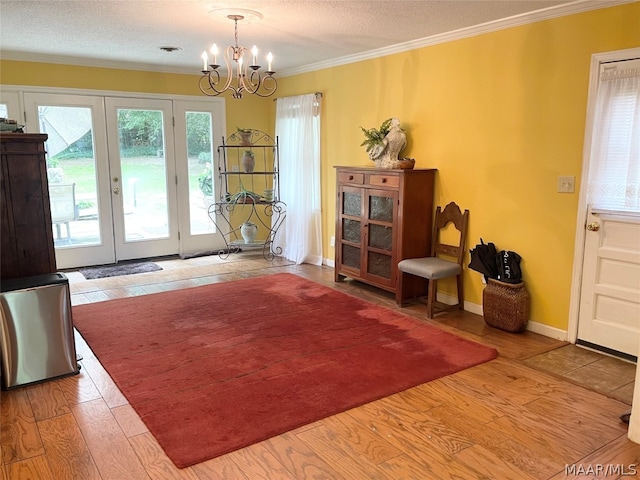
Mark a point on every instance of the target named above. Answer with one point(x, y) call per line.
point(26, 232)
point(383, 216)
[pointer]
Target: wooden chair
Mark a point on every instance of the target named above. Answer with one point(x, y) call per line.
point(435, 267)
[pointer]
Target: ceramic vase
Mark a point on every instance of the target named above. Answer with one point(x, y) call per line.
point(245, 139)
point(248, 163)
point(249, 230)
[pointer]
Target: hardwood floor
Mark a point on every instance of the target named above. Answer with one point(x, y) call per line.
point(500, 420)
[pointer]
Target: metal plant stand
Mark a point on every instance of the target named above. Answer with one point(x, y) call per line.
point(249, 193)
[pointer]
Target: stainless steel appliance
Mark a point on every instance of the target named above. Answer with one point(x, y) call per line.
point(36, 339)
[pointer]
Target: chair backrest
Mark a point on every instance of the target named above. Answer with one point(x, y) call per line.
point(63, 202)
point(453, 214)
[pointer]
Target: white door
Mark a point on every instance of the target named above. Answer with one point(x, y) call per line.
point(142, 177)
point(607, 266)
point(610, 297)
point(78, 172)
point(199, 129)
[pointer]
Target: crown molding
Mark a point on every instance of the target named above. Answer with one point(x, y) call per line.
point(95, 62)
point(579, 6)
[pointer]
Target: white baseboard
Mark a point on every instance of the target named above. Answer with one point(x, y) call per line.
point(532, 326)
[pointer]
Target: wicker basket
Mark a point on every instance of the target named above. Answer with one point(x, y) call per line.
point(506, 305)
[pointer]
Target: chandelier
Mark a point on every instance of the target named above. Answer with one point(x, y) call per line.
point(247, 77)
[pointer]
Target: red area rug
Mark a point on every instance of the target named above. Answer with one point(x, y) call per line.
point(215, 368)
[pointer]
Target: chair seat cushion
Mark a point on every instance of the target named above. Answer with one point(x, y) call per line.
point(432, 268)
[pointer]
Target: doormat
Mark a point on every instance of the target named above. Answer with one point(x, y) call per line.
point(117, 270)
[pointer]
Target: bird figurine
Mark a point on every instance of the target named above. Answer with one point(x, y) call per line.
point(386, 153)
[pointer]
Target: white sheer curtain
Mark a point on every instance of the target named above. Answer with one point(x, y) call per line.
point(298, 131)
point(614, 177)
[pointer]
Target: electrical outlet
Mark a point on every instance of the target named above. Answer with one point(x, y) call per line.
point(566, 184)
point(332, 242)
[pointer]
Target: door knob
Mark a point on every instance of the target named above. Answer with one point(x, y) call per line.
point(593, 226)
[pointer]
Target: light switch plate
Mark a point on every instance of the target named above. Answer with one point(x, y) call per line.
point(566, 184)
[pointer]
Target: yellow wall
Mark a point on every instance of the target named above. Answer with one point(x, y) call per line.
point(500, 115)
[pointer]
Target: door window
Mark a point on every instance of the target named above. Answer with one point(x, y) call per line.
point(72, 174)
point(144, 174)
point(201, 171)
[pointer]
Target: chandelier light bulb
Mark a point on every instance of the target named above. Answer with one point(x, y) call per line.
point(254, 51)
point(214, 52)
point(269, 60)
point(204, 61)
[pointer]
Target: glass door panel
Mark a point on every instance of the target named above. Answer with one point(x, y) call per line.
point(380, 212)
point(352, 203)
point(72, 174)
point(201, 171)
point(381, 208)
point(351, 227)
point(381, 236)
point(142, 175)
point(379, 265)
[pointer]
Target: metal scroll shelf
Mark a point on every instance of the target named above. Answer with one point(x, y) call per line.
point(221, 212)
point(243, 194)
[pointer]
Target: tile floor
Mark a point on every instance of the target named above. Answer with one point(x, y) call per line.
point(602, 373)
point(608, 375)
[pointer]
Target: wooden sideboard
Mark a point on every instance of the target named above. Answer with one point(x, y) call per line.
point(26, 234)
point(382, 216)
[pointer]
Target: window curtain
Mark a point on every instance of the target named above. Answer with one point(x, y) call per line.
point(298, 132)
point(614, 177)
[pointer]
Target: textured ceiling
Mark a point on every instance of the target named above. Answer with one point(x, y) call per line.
point(300, 33)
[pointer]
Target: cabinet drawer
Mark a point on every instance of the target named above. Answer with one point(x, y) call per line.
point(384, 180)
point(345, 177)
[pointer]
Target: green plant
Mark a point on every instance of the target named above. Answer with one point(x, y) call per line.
point(249, 153)
point(205, 181)
point(204, 157)
point(84, 204)
point(373, 136)
point(243, 196)
point(244, 130)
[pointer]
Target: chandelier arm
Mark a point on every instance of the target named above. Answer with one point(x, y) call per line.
point(208, 82)
point(257, 81)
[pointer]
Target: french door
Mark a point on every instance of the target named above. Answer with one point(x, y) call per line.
point(142, 177)
point(117, 191)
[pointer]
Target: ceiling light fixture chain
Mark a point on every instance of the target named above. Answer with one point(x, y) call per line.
point(252, 82)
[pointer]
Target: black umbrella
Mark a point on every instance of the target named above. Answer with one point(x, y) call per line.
point(483, 260)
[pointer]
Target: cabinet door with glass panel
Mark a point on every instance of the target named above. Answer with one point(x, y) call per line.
point(366, 235)
point(380, 213)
